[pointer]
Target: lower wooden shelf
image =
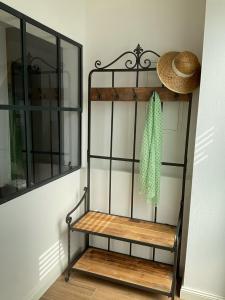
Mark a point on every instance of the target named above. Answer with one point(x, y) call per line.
point(136, 272)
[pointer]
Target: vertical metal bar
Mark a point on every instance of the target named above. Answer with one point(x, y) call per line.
point(186, 150)
point(26, 101)
point(134, 154)
point(59, 74)
point(175, 265)
point(81, 102)
point(89, 139)
point(133, 163)
point(110, 162)
point(89, 146)
point(155, 220)
point(86, 209)
point(68, 267)
point(184, 180)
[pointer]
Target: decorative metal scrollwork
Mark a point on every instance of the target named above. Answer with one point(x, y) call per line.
point(138, 60)
point(33, 69)
point(68, 220)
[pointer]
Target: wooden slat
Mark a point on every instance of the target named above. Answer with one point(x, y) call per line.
point(124, 268)
point(125, 228)
point(130, 94)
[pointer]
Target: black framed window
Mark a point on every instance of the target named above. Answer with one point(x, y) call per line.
point(40, 104)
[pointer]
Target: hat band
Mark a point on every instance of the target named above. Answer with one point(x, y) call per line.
point(179, 73)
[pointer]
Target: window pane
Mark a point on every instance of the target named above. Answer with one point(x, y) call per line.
point(70, 74)
point(70, 140)
point(45, 145)
point(41, 66)
point(11, 83)
point(12, 152)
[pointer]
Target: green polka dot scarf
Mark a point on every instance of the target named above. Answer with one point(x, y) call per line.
point(150, 157)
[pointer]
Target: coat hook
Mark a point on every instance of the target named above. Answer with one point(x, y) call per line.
point(135, 98)
point(116, 96)
point(98, 95)
point(176, 95)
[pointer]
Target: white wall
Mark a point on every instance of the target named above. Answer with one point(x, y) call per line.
point(205, 260)
point(33, 236)
point(117, 26)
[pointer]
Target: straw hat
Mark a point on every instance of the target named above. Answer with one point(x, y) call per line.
point(179, 71)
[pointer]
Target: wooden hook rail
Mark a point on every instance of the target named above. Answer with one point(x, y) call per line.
point(135, 94)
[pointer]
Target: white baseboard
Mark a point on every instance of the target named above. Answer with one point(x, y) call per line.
point(190, 294)
point(42, 287)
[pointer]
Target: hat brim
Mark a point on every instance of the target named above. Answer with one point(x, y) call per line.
point(171, 80)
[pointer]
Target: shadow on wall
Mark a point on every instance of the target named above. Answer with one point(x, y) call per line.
point(56, 254)
point(202, 143)
point(50, 258)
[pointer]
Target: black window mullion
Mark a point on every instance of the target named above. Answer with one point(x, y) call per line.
point(80, 140)
point(59, 72)
point(80, 103)
point(37, 108)
point(80, 60)
point(26, 101)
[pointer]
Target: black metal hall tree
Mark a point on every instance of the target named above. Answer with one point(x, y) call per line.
point(145, 274)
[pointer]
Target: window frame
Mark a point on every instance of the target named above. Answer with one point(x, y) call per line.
point(27, 107)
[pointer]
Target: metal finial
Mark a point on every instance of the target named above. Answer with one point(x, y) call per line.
point(138, 50)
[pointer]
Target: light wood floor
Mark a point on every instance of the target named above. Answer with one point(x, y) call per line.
point(83, 287)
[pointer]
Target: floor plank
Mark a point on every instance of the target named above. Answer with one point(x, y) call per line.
point(84, 287)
